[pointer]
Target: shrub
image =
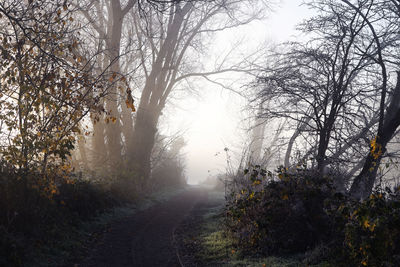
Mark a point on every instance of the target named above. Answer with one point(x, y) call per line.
point(294, 211)
point(31, 218)
point(372, 232)
point(84, 199)
point(170, 172)
point(11, 248)
point(282, 214)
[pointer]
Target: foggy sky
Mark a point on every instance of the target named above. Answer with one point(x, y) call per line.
point(213, 120)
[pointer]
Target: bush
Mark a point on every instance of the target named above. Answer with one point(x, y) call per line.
point(372, 233)
point(31, 218)
point(283, 215)
point(170, 172)
point(292, 212)
point(11, 248)
point(84, 199)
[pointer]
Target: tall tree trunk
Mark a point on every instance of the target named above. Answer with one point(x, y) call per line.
point(113, 130)
point(302, 126)
point(321, 153)
point(82, 152)
point(324, 138)
point(143, 138)
point(99, 152)
point(107, 142)
point(127, 126)
point(257, 138)
point(113, 134)
point(364, 182)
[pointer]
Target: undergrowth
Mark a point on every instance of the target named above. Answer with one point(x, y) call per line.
point(299, 211)
point(215, 246)
point(57, 229)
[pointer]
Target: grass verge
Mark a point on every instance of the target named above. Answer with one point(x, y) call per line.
point(204, 242)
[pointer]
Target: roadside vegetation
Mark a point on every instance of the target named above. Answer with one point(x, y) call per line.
point(291, 212)
point(205, 240)
point(291, 218)
point(65, 227)
point(332, 101)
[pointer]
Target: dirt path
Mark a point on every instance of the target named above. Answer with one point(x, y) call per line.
point(145, 239)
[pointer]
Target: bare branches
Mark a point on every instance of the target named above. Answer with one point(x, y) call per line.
point(329, 81)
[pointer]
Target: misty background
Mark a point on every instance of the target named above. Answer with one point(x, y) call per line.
point(214, 118)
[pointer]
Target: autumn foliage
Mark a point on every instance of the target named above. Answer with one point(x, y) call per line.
point(46, 89)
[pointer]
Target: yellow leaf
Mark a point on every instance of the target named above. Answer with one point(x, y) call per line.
point(366, 224)
point(376, 148)
point(112, 77)
point(129, 104)
point(285, 197)
point(257, 182)
point(372, 227)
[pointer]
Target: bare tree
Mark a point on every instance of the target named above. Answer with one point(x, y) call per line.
point(257, 138)
point(168, 42)
point(383, 32)
point(313, 85)
point(106, 19)
point(335, 88)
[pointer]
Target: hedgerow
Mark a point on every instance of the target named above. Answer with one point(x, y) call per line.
point(31, 219)
point(372, 230)
point(297, 210)
point(282, 215)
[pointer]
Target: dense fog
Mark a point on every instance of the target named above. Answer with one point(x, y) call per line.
point(199, 133)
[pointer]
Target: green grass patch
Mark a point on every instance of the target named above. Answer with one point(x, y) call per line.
point(217, 248)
